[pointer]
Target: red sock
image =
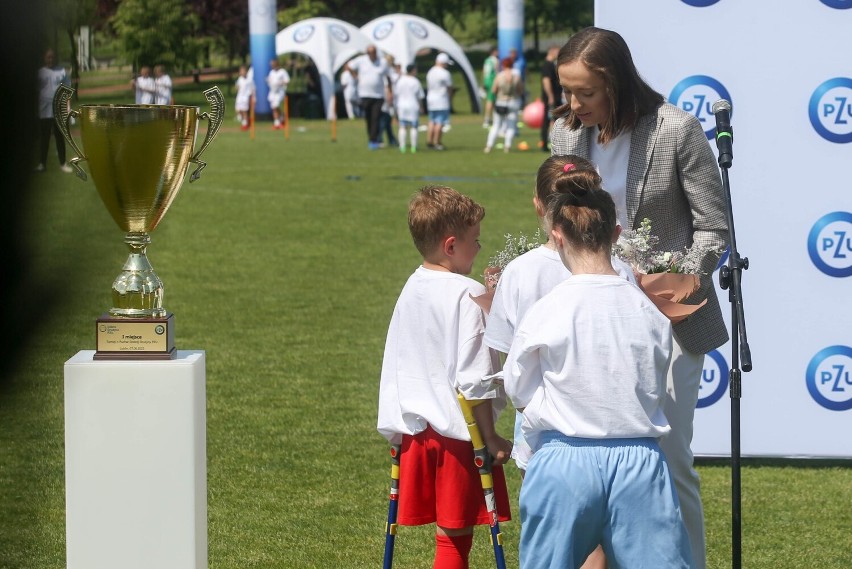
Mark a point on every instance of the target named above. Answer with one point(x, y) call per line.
point(452, 552)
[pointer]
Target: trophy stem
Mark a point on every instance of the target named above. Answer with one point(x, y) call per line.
point(137, 292)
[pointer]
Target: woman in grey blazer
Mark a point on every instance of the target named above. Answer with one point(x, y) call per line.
point(656, 161)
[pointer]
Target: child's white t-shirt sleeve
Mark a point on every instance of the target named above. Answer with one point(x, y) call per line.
point(522, 371)
point(475, 360)
point(500, 325)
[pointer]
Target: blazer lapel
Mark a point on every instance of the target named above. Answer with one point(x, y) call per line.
point(642, 143)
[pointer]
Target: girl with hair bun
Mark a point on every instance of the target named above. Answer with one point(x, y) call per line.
point(532, 275)
point(587, 369)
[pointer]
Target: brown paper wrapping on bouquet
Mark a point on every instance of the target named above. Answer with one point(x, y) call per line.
point(668, 290)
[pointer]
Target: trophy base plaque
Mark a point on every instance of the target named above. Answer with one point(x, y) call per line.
point(135, 338)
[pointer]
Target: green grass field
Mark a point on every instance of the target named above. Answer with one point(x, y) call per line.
point(283, 263)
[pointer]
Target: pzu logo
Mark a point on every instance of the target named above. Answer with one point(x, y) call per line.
point(830, 244)
point(839, 4)
point(714, 380)
point(303, 33)
point(830, 110)
point(418, 30)
point(383, 30)
point(700, 3)
point(696, 95)
point(829, 378)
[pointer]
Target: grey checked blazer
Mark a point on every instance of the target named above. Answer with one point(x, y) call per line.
point(673, 180)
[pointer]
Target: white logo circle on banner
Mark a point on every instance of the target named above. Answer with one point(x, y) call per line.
point(829, 379)
point(696, 95)
point(418, 30)
point(303, 33)
point(714, 379)
point(339, 33)
point(383, 30)
point(830, 110)
point(830, 244)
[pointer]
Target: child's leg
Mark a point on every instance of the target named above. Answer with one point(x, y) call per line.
point(413, 133)
point(642, 497)
point(452, 547)
point(401, 136)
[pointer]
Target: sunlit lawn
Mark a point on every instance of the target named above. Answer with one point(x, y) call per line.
point(283, 263)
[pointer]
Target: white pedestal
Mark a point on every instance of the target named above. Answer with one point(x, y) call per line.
point(136, 463)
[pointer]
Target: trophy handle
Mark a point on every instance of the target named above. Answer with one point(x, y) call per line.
point(62, 113)
point(215, 116)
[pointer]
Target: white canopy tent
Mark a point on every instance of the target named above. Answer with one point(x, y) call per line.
point(330, 43)
point(403, 35)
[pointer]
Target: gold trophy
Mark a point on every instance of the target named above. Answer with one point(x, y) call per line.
point(138, 156)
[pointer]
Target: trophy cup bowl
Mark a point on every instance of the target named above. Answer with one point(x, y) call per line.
point(138, 156)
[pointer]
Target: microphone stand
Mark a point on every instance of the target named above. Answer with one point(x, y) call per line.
point(730, 279)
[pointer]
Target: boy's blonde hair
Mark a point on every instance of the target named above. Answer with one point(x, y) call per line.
point(436, 212)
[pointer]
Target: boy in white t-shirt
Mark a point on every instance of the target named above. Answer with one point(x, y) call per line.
point(434, 351)
point(245, 92)
point(277, 79)
point(587, 367)
point(408, 94)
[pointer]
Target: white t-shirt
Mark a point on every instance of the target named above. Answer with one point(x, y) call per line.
point(611, 161)
point(245, 89)
point(407, 94)
point(524, 281)
point(372, 76)
point(278, 79)
point(49, 81)
point(145, 88)
point(433, 350)
point(590, 360)
point(438, 83)
point(163, 87)
point(349, 84)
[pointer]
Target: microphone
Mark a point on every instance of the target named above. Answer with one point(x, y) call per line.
point(724, 132)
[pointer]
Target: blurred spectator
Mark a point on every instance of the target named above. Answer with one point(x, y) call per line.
point(50, 77)
point(144, 86)
point(162, 86)
point(439, 92)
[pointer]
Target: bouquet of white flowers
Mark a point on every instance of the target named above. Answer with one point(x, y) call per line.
point(667, 277)
point(515, 246)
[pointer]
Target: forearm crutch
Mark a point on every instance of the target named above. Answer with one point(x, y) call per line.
point(482, 460)
point(390, 528)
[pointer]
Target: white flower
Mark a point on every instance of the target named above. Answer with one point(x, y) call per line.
point(637, 247)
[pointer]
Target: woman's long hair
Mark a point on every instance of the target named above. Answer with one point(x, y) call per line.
point(606, 53)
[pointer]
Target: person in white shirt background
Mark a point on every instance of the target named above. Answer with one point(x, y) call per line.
point(245, 92)
point(277, 79)
point(50, 77)
point(373, 75)
point(408, 98)
point(350, 94)
point(144, 86)
point(439, 91)
point(162, 86)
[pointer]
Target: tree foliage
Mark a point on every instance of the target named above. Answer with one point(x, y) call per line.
point(157, 32)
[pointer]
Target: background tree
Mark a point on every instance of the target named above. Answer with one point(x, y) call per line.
point(68, 16)
point(158, 31)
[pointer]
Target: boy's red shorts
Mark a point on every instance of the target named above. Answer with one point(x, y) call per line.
point(438, 483)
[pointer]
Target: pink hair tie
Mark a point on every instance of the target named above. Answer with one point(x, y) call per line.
point(568, 167)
